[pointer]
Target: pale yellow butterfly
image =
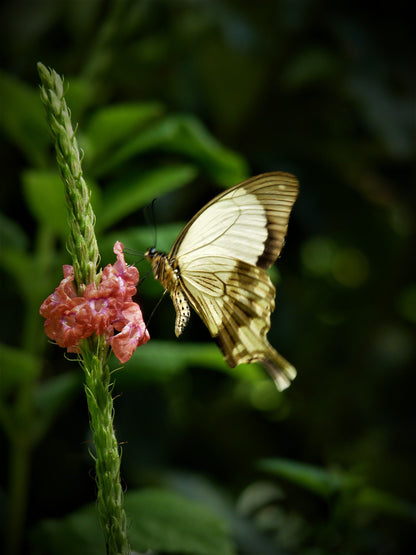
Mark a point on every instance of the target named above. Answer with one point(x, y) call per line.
point(218, 266)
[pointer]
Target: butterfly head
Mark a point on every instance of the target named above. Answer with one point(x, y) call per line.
point(154, 257)
point(150, 253)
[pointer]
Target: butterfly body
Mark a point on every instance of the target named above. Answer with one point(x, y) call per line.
point(218, 266)
point(167, 272)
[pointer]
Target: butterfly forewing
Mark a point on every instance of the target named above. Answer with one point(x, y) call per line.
point(247, 222)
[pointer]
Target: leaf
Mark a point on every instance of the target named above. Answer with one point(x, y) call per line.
point(161, 360)
point(28, 274)
point(317, 480)
point(44, 192)
point(21, 267)
point(112, 126)
point(190, 137)
point(167, 522)
point(327, 483)
point(79, 532)
point(128, 196)
point(17, 367)
point(12, 235)
point(23, 119)
point(184, 135)
point(158, 520)
point(52, 396)
point(244, 531)
point(384, 503)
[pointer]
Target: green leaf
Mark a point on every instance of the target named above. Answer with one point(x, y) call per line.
point(23, 119)
point(29, 275)
point(12, 235)
point(382, 502)
point(128, 196)
point(112, 126)
point(52, 396)
point(326, 483)
point(317, 480)
point(167, 522)
point(158, 520)
point(44, 192)
point(21, 266)
point(17, 367)
point(188, 136)
point(161, 360)
point(79, 532)
point(199, 489)
point(184, 135)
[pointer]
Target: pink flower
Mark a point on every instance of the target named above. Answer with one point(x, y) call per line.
point(132, 334)
point(102, 310)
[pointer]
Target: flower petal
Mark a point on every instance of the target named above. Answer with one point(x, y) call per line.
point(126, 342)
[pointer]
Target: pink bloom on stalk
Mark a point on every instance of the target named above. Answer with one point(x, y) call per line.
point(102, 310)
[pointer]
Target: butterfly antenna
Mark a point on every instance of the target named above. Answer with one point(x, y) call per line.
point(156, 307)
point(151, 220)
point(147, 274)
point(134, 252)
point(154, 223)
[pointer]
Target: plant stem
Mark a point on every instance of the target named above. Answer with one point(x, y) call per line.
point(82, 245)
point(19, 465)
point(82, 242)
point(98, 389)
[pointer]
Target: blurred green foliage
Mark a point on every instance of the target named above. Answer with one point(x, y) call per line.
point(166, 93)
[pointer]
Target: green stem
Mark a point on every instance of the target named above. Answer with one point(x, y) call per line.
point(19, 465)
point(82, 244)
point(98, 389)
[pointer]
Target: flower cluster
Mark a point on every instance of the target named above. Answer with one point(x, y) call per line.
point(102, 310)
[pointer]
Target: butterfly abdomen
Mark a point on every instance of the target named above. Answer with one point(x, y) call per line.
point(182, 308)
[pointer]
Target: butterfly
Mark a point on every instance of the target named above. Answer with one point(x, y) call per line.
point(218, 266)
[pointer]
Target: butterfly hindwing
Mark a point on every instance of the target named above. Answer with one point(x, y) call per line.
point(235, 301)
point(232, 284)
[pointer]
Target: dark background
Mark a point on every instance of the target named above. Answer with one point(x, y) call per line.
point(324, 90)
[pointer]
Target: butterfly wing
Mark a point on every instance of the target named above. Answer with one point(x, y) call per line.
point(235, 300)
point(247, 222)
point(222, 255)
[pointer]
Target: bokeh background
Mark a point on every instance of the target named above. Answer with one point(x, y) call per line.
point(175, 99)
